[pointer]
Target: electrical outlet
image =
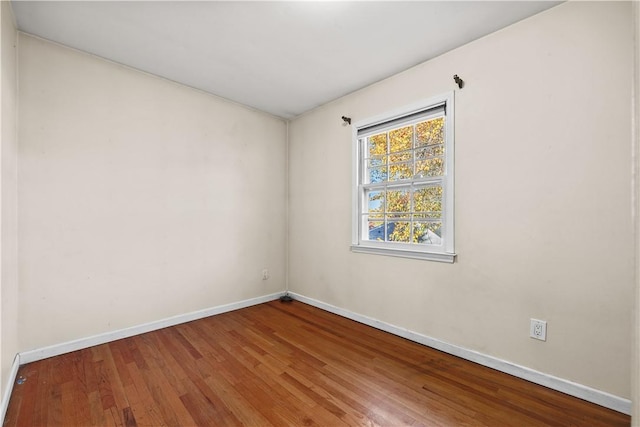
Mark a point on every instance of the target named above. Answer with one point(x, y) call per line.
point(265, 274)
point(538, 329)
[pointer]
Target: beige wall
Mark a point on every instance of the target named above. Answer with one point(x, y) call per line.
point(8, 196)
point(139, 199)
point(543, 185)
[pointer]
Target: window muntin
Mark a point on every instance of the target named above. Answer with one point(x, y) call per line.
point(404, 177)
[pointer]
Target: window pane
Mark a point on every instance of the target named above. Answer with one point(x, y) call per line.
point(427, 202)
point(406, 216)
point(377, 161)
point(398, 201)
point(376, 230)
point(429, 233)
point(430, 132)
point(376, 204)
point(377, 145)
point(377, 174)
point(405, 156)
point(428, 215)
point(430, 167)
point(431, 151)
point(399, 231)
point(400, 171)
point(401, 139)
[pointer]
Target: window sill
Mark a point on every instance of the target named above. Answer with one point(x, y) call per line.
point(429, 256)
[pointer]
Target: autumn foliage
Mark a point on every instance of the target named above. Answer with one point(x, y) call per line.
point(405, 196)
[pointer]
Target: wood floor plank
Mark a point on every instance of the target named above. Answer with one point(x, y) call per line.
point(95, 410)
point(28, 401)
point(42, 392)
point(279, 364)
point(354, 401)
point(237, 403)
point(54, 410)
point(161, 383)
point(142, 401)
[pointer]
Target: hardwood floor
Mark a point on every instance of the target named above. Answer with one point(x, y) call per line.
point(282, 364)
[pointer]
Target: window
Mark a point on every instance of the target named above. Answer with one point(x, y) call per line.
point(403, 182)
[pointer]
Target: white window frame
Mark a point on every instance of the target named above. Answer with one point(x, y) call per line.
point(442, 253)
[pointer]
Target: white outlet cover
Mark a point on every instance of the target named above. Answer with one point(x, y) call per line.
point(538, 329)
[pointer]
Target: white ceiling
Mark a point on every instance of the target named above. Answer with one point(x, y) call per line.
point(283, 58)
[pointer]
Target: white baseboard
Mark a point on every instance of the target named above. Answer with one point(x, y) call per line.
point(82, 343)
point(13, 373)
point(565, 386)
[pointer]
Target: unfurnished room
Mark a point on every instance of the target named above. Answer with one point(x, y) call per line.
point(319, 213)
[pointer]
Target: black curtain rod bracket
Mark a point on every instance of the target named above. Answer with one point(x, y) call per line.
point(458, 81)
